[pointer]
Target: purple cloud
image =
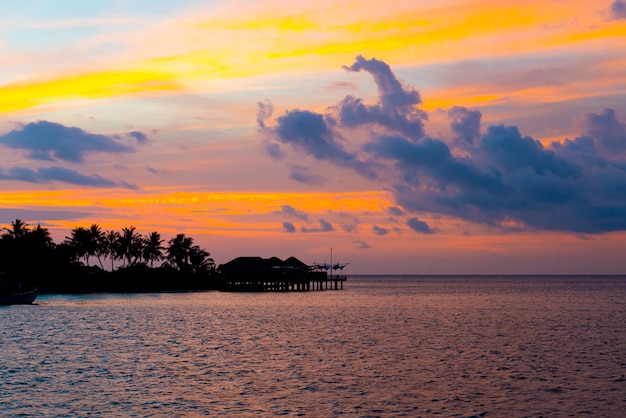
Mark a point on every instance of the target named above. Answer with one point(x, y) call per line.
point(380, 230)
point(465, 123)
point(500, 177)
point(419, 226)
point(608, 133)
point(618, 9)
point(324, 227)
point(290, 211)
point(50, 174)
point(289, 227)
point(362, 245)
point(50, 141)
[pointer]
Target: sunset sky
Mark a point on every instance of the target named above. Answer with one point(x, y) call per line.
point(448, 137)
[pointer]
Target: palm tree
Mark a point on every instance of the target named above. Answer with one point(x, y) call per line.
point(97, 243)
point(200, 260)
point(18, 229)
point(178, 251)
point(80, 241)
point(112, 246)
point(130, 245)
point(39, 238)
point(152, 248)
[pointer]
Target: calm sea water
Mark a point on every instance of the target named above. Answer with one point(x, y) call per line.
point(384, 346)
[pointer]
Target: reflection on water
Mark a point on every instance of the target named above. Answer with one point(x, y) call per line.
point(384, 346)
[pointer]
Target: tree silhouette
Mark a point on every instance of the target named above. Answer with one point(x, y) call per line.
point(80, 241)
point(200, 260)
point(29, 256)
point(111, 247)
point(24, 252)
point(130, 245)
point(152, 248)
point(18, 229)
point(178, 251)
point(97, 243)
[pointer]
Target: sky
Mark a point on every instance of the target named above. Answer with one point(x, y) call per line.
point(448, 137)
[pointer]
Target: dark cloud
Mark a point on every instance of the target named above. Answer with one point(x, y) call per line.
point(362, 245)
point(498, 177)
point(348, 222)
point(304, 175)
point(292, 212)
point(324, 227)
point(273, 150)
point(465, 124)
point(289, 227)
point(608, 133)
point(308, 131)
point(140, 137)
point(618, 9)
point(49, 174)
point(50, 141)
point(430, 162)
point(510, 152)
point(419, 226)
point(396, 108)
point(395, 211)
point(157, 171)
point(380, 230)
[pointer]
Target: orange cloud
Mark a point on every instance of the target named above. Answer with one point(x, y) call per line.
point(95, 85)
point(229, 43)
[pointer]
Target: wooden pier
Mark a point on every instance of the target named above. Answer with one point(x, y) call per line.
point(256, 274)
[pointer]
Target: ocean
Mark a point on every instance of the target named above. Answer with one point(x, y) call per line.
point(385, 346)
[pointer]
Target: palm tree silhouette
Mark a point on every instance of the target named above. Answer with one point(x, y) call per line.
point(80, 242)
point(178, 251)
point(18, 229)
point(112, 246)
point(152, 248)
point(96, 245)
point(200, 260)
point(130, 244)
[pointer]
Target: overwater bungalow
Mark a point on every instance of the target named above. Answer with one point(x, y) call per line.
point(274, 274)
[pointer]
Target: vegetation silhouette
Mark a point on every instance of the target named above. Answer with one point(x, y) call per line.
point(135, 262)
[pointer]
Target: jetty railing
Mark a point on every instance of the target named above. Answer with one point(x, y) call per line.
point(281, 282)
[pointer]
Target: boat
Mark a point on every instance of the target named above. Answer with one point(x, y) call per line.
point(25, 297)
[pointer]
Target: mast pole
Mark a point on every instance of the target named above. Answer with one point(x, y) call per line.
point(331, 263)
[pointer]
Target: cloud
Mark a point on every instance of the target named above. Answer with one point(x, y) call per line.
point(395, 211)
point(140, 137)
point(349, 228)
point(494, 176)
point(265, 110)
point(157, 171)
point(608, 133)
point(273, 150)
point(290, 211)
point(50, 141)
point(40, 215)
point(380, 230)
point(324, 227)
point(308, 131)
point(465, 123)
point(362, 245)
point(419, 226)
point(289, 227)
point(49, 174)
point(304, 175)
point(618, 9)
point(396, 105)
